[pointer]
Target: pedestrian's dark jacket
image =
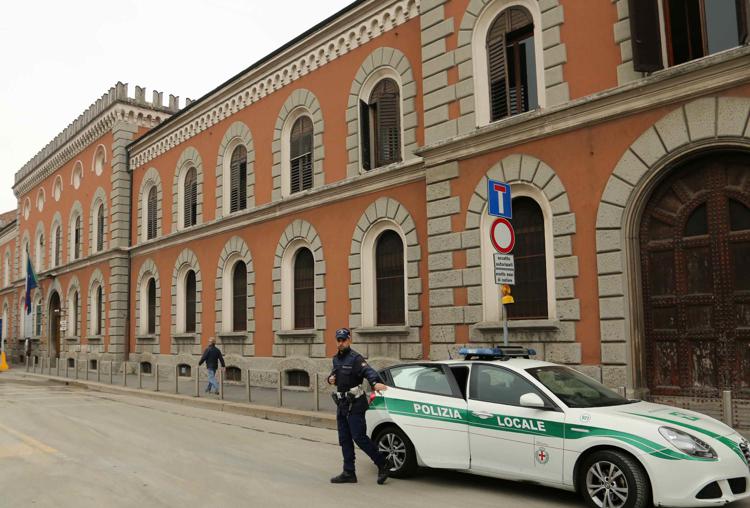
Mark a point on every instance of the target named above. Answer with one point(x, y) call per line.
point(351, 369)
point(212, 356)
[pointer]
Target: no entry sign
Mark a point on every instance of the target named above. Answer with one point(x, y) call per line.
point(502, 236)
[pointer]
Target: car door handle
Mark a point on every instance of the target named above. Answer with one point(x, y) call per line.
point(481, 414)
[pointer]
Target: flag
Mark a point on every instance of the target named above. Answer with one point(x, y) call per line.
point(31, 283)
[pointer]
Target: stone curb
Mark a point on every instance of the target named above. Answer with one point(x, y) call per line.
point(295, 416)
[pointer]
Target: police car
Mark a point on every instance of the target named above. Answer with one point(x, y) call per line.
point(498, 413)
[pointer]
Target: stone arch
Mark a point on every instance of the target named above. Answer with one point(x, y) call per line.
point(190, 157)
point(305, 102)
point(238, 133)
point(549, 16)
point(187, 260)
point(96, 279)
point(151, 178)
point(148, 267)
point(73, 286)
point(389, 210)
point(297, 234)
point(710, 122)
point(100, 197)
point(528, 170)
point(378, 59)
point(235, 250)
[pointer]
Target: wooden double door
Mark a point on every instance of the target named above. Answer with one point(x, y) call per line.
point(695, 266)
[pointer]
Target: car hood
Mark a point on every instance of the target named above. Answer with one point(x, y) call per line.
point(684, 419)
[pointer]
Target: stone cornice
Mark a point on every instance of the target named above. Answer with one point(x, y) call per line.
point(347, 32)
point(399, 174)
point(97, 120)
point(698, 78)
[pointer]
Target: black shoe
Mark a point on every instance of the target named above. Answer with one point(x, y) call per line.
point(383, 472)
point(345, 477)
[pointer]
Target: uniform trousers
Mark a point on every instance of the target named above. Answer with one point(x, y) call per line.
point(353, 429)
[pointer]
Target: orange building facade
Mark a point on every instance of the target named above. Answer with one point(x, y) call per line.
point(342, 181)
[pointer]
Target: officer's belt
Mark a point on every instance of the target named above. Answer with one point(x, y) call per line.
point(356, 392)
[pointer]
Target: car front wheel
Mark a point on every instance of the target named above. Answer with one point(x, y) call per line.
point(612, 479)
point(393, 443)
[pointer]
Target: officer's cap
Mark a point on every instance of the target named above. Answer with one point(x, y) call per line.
point(343, 333)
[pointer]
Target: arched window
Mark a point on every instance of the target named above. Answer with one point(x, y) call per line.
point(151, 214)
point(304, 290)
point(77, 238)
point(380, 119)
point(100, 228)
point(239, 297)
point(6, 269)
point(530, 290)
point(39, 261)
point(151, 307)
point(76, 331)
point(190, 302)
point(301, 152)
point(389, 279)
point(58, 246)
point(191, 198)
point(38, 320)
point(98, 311)
point(238, 180)
point(511, 64)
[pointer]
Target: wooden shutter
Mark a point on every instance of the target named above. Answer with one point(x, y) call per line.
point(364, 134)
point(743, 21)
point(58, 245)
point(191, 198)
point(304, 290)
point(389, 277)
point(76, 331)
point(645, 35)
point(385, 107)
point(151, 306)
point(239, 297)
point(496, 68)
point(100, 229)
point(190, 300)
point(530, 290)
point(77, 239)
point(301, 147)
point(238, 180)
point(99, 317)
point(151, 214)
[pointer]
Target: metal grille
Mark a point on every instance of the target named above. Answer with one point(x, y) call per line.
point(190, 302)
point(389, 275)
point(239, 297)
point(304, 290)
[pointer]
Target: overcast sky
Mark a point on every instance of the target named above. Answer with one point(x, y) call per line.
point(56, 58)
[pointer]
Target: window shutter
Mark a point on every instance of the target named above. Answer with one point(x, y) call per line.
point(151, 306)
point(743, 21)
point(301, 146)
point(364, 133)
point(58, 246)
point(384, 103)
point(497, 71)
point(191, 198)
point(304, 290)
point(645, 35)
point(77, 239)
point(238, 180)
point(75, 314)
point(151, 213)
point(389, 279)
point(190, 299)
point(239, 297)
point(99, 317)
point(100, 229)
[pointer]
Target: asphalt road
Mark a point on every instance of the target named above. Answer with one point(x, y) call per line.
point(68, 447)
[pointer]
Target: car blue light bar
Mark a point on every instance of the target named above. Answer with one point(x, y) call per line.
point(496, 353)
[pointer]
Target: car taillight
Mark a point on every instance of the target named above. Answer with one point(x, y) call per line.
point(372, 397)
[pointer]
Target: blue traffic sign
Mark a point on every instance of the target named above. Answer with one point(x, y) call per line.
point(499, 199)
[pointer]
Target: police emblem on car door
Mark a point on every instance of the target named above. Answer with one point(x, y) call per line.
point(427, 404)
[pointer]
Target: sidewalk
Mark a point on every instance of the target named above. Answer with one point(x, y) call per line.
point(299, 417)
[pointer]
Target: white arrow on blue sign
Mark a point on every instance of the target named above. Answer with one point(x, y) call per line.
point(500, 204)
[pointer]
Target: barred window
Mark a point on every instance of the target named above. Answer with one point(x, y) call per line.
point(530, 291)
point(233, 374)
point(296, 377)
point(151, 214)
point(301, 151)
point(151, 329)
point(146, 368)
point(238, 179)
point(511, 64)
point(191, 198)
point(380, 125)
point(100, 228)
point(389, 277)
point(239, 297)
point(304, 290)
point(190, 302)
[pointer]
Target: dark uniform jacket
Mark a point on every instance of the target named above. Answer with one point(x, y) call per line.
point(212, 356)
point(350, 369)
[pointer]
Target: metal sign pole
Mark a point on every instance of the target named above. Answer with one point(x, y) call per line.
point(505, 326)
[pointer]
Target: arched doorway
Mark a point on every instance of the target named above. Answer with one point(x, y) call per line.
point(695, 264)
point(54, 325)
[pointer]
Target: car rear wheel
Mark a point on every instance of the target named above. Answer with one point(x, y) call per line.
point(612, 479)
point(393, 443)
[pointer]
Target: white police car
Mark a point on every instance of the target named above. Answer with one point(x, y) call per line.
point(504, 415)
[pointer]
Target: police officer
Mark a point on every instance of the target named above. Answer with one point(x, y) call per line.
point(349, 369)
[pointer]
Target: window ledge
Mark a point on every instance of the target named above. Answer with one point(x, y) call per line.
point(94, 338)
point(232, 337)
point(185, 337)
point(297, 336)
point(538, 325)
point(146, 338)
point(383, 330)
point(72, 339)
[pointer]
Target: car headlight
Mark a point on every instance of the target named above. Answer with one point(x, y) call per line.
point(688, 443)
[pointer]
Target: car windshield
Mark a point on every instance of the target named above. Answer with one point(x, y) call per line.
point(575, 389)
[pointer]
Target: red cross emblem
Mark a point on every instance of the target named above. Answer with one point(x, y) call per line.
point(542, 456)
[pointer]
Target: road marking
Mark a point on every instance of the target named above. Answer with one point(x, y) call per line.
point(28, 440)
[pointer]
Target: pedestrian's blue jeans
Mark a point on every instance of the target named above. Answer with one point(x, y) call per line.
point(212, 383)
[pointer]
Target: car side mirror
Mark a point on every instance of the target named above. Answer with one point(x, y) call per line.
point(532, 400)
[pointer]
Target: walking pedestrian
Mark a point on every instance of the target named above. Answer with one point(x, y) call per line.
point(349, 370)
point(212, 357)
